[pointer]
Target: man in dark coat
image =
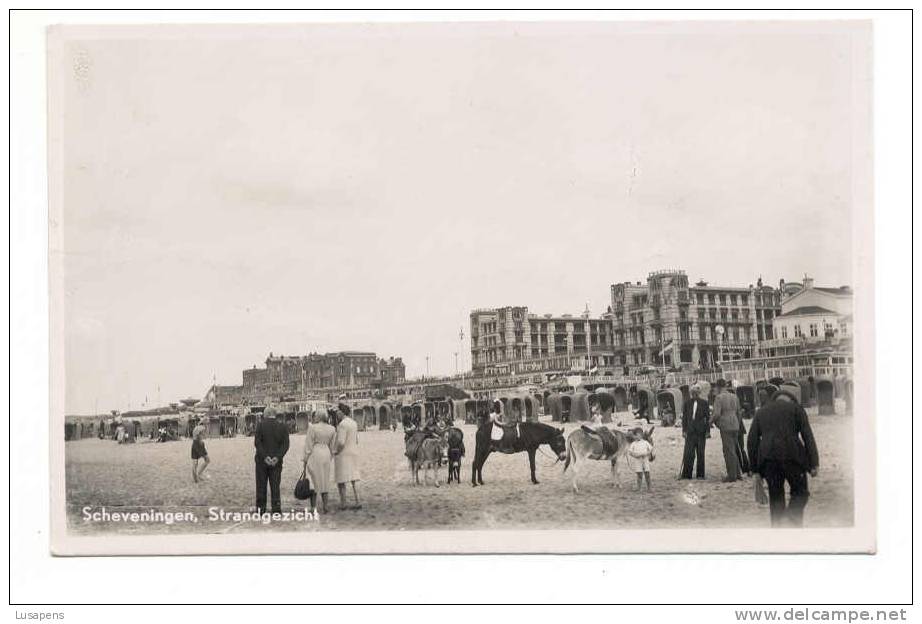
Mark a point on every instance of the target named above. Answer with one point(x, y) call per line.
point(696, 416)
point(782, 448)
point(271, 442)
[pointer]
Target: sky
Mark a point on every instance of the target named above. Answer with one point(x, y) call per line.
point(229, 193)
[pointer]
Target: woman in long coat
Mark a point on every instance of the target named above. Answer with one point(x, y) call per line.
point(346, 456)
point(318, 457)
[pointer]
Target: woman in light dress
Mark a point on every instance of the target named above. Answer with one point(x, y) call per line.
point(318, 457)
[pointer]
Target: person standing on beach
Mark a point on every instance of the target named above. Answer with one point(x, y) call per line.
point(726, 416)
point(271, 441)
point(695, 426)
point(782, 448)
point(318, 457)
point(345, 456)
point(199, 452)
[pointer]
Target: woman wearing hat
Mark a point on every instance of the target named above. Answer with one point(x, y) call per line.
point(346, 457)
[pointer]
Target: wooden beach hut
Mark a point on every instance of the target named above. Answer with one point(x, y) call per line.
point(622, 401)
point(746, 395)
point(644, 402)
point(606, 400)
point(825, 396)
point(669, 405)
point(579, 410)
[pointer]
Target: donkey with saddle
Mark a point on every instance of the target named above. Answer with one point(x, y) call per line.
point(599, 443)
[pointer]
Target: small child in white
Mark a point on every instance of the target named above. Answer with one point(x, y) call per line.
point(639, 456)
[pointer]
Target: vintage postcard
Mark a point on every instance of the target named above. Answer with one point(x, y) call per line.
point(461, 288)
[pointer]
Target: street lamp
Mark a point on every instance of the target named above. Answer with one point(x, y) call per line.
point(719, 330)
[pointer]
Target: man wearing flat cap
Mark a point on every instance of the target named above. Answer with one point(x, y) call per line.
point(782, 449)
point(271, 442)
point(695, 425)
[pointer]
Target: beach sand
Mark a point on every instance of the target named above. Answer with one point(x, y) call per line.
point(147, 475)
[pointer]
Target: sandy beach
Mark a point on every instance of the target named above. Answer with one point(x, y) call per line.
point(150, 476)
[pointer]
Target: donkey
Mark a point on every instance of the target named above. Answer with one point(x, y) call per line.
point(523, 437)
point(428, 456)
point(455, 453)
point(583, 444)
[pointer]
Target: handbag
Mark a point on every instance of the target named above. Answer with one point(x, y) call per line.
point(303, 489)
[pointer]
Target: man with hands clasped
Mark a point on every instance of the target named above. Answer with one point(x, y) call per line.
point(271, 442)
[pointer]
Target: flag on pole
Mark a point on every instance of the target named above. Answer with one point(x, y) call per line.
point(666, 348)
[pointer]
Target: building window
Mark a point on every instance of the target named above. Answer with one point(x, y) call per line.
point(784, 331)
point(814, 330)
point(797, 331)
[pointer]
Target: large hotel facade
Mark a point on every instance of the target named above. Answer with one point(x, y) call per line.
point(299, 375)
point(663, 322)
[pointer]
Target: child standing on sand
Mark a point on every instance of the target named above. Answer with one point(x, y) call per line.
point(639, 456)
point(198, 452)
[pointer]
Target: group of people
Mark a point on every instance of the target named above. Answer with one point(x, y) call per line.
point(330, 456)
point(781, 447)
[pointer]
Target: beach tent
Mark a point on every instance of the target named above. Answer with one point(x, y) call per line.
point(228, 424)
point(552, 406)
point(171, 425)
point(622, 403)
point(825, 396)
point(808, 388)
point(686, 394)
point(669, 403)
point(519, 407)
point(442, 410)
point(579, 410)
point(644, 402)
point(465, 410)
point(384, 414)
point(566, 406)
point(212, 425)
point(560, 405)
point(606, 400)
point(746, 395)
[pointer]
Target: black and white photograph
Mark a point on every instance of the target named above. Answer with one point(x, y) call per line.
point(556, 287)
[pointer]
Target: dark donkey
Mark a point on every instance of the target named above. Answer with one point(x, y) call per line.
point(526, 436)
point(455, 453)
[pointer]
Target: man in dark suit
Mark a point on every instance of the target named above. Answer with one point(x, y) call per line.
point(782, 448)
point(271, 442)
point(696, 416)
